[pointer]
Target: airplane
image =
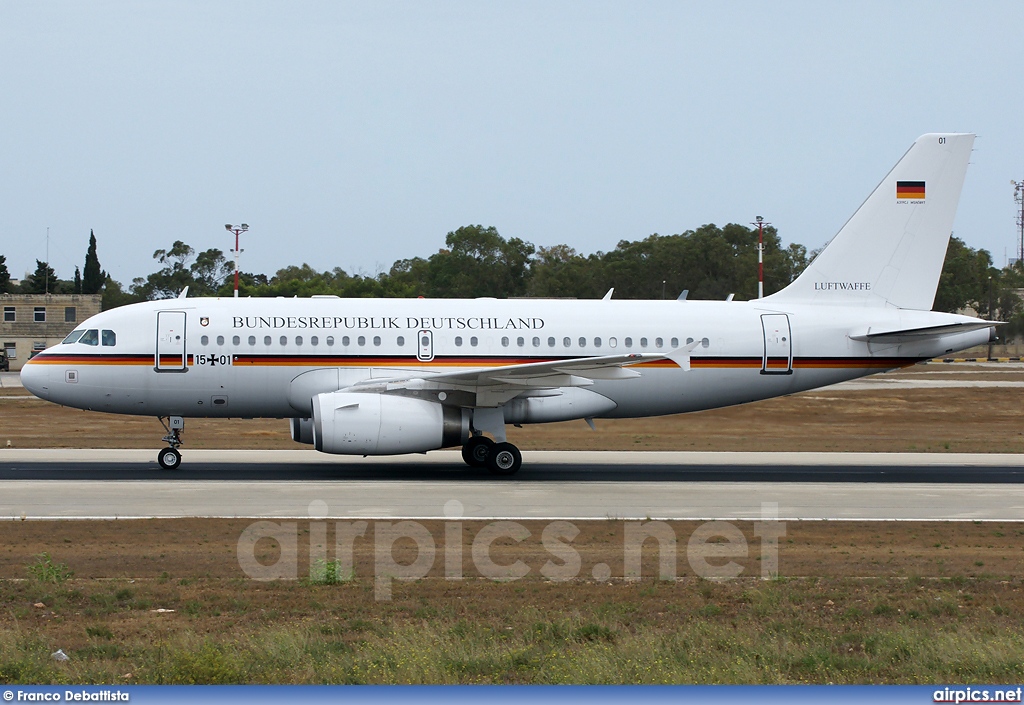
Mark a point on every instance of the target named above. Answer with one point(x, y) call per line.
point(397, 376)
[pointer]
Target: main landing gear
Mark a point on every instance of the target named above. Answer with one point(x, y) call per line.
point(170, 458)
point(499, 458)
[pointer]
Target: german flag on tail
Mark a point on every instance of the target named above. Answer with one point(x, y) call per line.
point(909, 190)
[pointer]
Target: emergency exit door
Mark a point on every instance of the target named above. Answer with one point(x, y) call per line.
point(170, 341)
point(425, 346)
point(778, 345)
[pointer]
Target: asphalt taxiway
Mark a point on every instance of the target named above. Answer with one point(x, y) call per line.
point(108, 484)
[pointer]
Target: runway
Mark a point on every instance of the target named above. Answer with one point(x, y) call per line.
point(108, 484)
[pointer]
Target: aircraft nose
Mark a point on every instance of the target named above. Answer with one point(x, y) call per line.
point(36, 379)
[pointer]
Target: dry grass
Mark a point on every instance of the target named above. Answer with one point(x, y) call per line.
point(845, 611)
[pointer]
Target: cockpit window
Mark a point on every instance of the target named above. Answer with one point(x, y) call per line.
point(91, 337)
point(109, 338)
point(73, 337)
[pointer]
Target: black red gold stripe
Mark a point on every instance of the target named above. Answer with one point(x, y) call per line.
point(403, 361)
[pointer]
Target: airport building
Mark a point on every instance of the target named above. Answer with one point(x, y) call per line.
point(33, 322)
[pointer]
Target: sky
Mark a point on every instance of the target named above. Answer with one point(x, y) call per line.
point(352, 134)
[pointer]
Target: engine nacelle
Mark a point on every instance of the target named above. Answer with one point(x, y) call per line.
point(352, 423)
point(571, 403)
point(302, 431)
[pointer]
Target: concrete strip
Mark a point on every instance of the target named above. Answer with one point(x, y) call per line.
point(428, 496)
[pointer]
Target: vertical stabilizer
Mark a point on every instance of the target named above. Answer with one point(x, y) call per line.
point(891, 251)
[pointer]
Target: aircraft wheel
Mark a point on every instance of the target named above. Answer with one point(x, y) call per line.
point(504, 459)
point(169, 458)
point(476, 450)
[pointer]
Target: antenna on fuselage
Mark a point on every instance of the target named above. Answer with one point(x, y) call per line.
point(184, 293)
point(608, 296)
point(682, 296)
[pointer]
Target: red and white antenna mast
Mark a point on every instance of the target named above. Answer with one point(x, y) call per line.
point(237, 230)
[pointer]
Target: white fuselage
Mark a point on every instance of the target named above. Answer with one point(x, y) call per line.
point(238, 357)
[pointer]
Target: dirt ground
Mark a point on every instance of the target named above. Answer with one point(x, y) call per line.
point(190, 548)
point(879, 418)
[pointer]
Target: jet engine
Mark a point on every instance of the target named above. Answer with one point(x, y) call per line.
point(355, 423)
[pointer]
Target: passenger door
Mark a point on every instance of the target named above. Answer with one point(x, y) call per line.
point(778, 345)
point(170, 342)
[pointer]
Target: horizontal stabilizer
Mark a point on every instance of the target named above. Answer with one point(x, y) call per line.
point(917, 334)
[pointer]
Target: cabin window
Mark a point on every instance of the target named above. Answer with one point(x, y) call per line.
point(235, 340)
point(597, 342)
point(536, 342)
point(73, 337)
point(40, 314)
point(284, 340)
point(91, 337)
point(504, 341)
point(376, 340)
point(252, 340)
point(628, 342)
point(109, 338)
point(705, 342)
point(643, 342)
point(361, 340)
point(583, 342)
point(551, 342)
point(267, 340)
point(566, 342)
point(658, 342)
point(298, 340)
point(520, 342)
point(314, 340)
point(458, 341)
point(330, 341)
point(675, 343)
point(689, 340)
point(400, 341)
point(345, 340)
point(70, 314)
point(612, 342)
point(473, 341)
point(205, 340)
point(220, 340)
point(10, 315)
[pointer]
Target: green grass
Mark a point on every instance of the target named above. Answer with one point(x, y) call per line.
point(784, 631)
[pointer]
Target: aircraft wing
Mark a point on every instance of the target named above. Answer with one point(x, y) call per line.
point(506, 381)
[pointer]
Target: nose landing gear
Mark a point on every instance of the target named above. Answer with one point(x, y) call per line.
point(170, 458)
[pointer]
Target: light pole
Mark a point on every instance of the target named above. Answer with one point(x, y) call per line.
point(1018, 196)
point(237, 230)
point(760, 255)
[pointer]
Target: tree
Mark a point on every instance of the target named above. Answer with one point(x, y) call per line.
point(968, 279)
point(92, 276)
point(477, 261)
point(114, 295)
point(5, 276)
point(41, 281)
point(209, 272)
point(78, 281)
